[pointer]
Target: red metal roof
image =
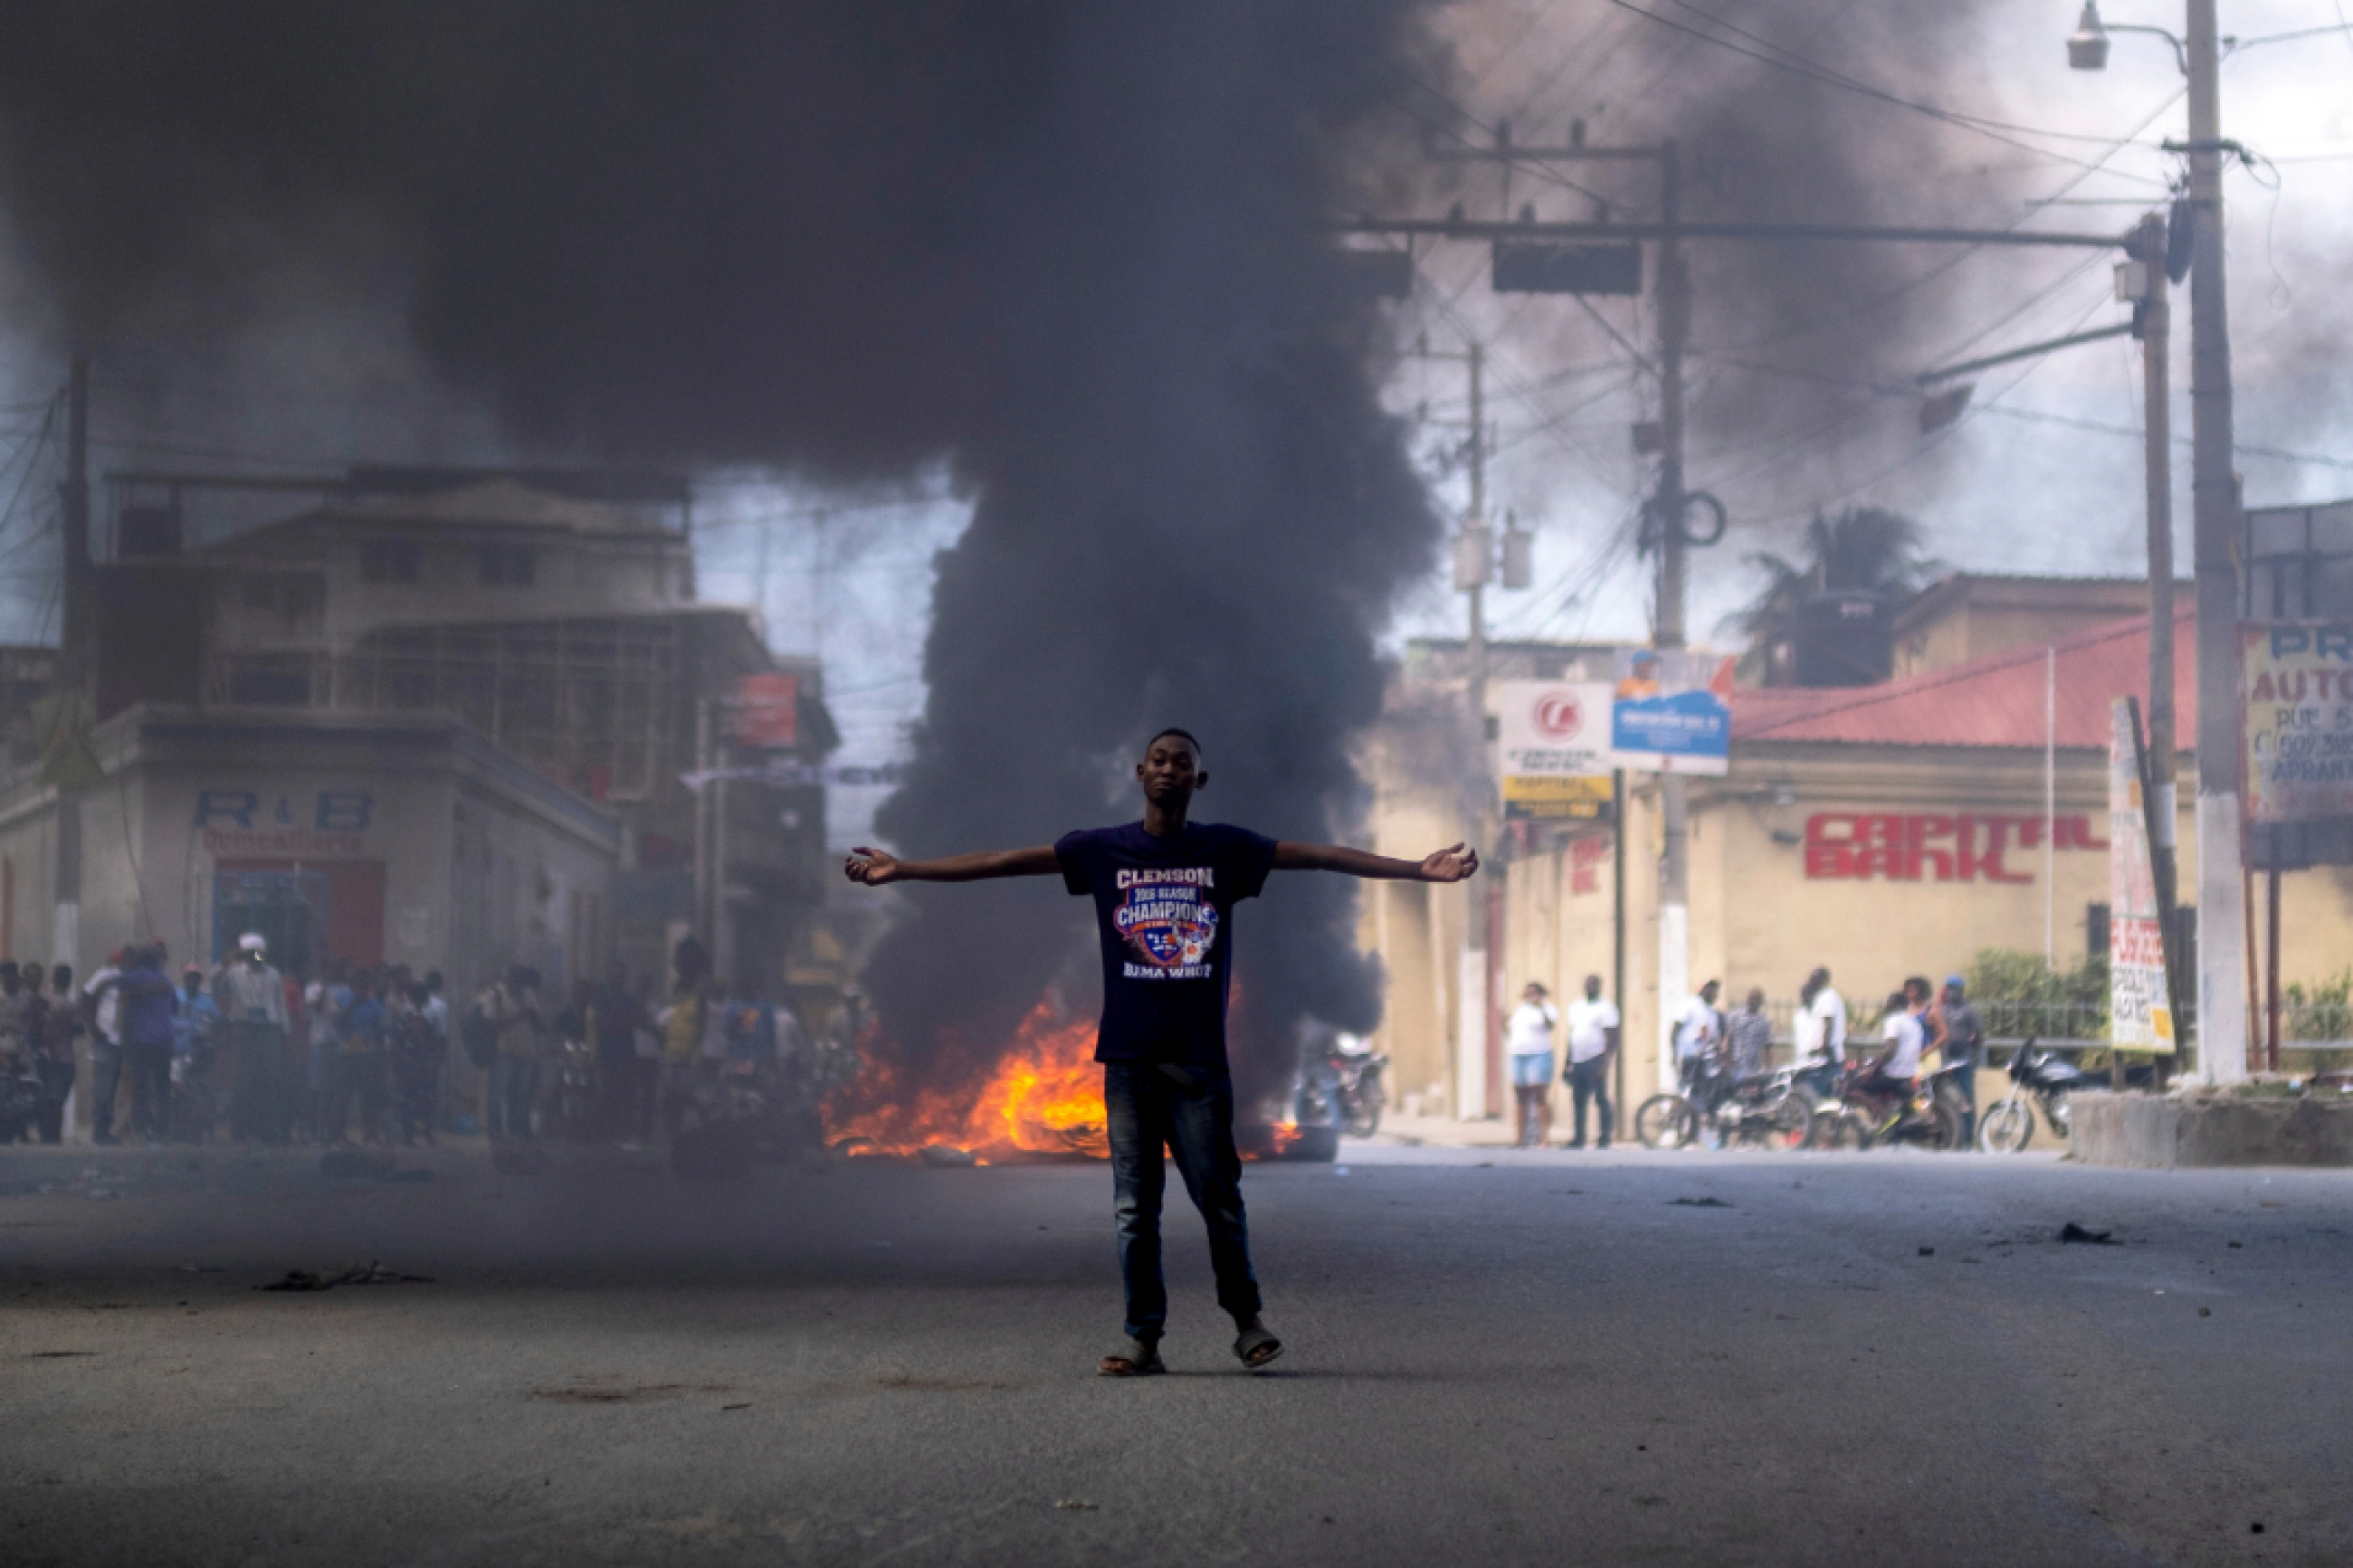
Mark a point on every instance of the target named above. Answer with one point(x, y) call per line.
point(1992, 702)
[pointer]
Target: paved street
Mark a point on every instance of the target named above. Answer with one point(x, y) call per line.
point(1496, 1358)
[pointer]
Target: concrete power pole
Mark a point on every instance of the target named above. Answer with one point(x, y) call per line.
point(1477, 1064)
point(1667, 518)
point(1475, 1071)
point(77, 659)
point(2215, 520)
point(2153, 324)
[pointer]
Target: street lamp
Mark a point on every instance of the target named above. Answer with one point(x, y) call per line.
point(2087, 48)
point(2087, 45)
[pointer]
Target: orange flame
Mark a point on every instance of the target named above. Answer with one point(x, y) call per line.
point(1042, 1096)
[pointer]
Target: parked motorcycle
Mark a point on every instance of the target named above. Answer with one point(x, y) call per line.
point(1929, 1117)
point(2043, 1081)
point(1340, 1086)
point(1763, 1111)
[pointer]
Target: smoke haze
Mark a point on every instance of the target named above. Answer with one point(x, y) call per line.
point(1068, 249)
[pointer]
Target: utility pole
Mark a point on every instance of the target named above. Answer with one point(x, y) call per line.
point(2214, 522)
point(1667, 506)
point(1667, 518)
point(1482, 1048)
point(2153, 325)
point(1478, 1045)
point(77, 660)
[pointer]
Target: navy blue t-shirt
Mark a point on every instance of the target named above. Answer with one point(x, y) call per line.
point(1164, 910)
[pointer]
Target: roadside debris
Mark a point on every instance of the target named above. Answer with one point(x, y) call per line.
point(2071, 1232)
point(350, 1274)
point(1075, 1505)
point(1698, 1203)
point(509, 1158)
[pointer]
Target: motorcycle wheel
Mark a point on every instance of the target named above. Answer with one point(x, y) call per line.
point(2056, 1107)
point(1789, 1120)
point(1666, 1121)
point(1944, 1131)
point(1836, 1127)
point(1366, 1119)
point(2007, 1126)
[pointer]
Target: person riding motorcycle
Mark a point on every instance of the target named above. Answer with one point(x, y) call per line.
point(1887, 1080)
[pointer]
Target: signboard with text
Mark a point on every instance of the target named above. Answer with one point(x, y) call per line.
point(1555, 736)
point(2140, 1009)
point(767, 712)
point(2299, 717)
point(1671, 711)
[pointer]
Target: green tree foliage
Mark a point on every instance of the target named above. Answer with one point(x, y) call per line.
point(1863, 547)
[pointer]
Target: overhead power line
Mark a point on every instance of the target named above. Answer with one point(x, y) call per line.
point(1798, 66)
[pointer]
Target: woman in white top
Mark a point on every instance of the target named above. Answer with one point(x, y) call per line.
point(1527, 1036)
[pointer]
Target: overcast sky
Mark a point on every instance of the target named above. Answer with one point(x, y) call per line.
point(2012, 488)
point(1799, 381)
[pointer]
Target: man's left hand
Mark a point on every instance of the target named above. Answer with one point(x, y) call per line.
point(1455, 863)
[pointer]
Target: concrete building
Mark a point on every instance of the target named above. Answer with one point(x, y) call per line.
point(1880, 831)
point(1970, 616)
point(553, 614)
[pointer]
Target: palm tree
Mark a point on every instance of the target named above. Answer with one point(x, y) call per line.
point(1865, 548)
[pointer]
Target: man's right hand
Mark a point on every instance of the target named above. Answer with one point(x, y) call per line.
point(872, 867)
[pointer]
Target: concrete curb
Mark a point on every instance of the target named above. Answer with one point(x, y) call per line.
point(2148, 1131)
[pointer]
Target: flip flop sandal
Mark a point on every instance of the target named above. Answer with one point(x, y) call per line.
point(1256, 1348)
point(1133, 1358)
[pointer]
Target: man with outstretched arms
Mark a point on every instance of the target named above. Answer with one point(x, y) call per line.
point(1165, 891)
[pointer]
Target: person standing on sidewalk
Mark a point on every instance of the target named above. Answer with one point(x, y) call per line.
point(1592, 1039)
point(1747, 1034)
point(1699, 1045)
point(1964, 1048)
point(1821, 1033)
point(63, 1027)
point(1528, 1037)
point(146, 1007)
point(103, 1011)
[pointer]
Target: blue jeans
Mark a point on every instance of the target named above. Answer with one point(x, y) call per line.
point(1190, 1113)
point(1965, 1079)
point(106, 1079)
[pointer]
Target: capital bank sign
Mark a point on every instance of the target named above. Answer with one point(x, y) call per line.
point(1933, 847)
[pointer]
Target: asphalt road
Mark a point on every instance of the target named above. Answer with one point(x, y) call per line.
point(1547, 1358)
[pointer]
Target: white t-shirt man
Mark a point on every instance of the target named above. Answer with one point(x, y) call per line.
point(1826, 1034)
point(1695, 1028)
point(1528, 1032)
point(1590, 1023)
point(1904, 1031)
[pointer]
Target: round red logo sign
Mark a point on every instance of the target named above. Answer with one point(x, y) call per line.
point(1558, 716)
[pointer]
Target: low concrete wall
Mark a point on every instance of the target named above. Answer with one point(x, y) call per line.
point(2158, 1132)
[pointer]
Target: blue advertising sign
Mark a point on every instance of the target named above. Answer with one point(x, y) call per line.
point(1672, 711)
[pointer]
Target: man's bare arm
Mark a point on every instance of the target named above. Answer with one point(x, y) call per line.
point(875, 869)
point(1452, 864)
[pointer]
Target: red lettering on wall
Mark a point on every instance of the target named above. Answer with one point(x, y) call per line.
point(1586, 858)
point(1907, 847)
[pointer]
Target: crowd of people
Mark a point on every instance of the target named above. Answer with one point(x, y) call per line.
point(1713, 1044)
point(347, 1054)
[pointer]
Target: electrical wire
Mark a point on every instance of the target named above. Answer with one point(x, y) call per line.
point(1995, 130)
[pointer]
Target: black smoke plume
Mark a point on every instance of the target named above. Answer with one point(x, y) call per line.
point(1072, 248)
